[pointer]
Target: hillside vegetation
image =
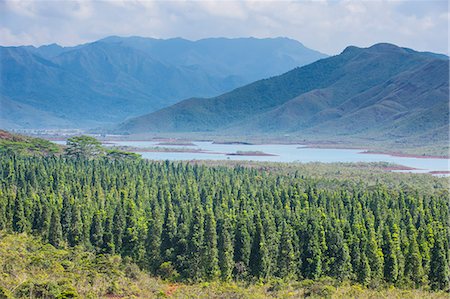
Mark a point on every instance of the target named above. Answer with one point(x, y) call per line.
point(383, 94)
point(88, 223)
point(115, 78)
point(24, 145)
point(196, 223)
point(33, 269)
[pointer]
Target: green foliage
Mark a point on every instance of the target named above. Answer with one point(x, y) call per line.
point(28, 146)
point(259, 254)
point(439, 266)
point(167, 271)
point(118, 154)
point(47, 289)
point(286, 256)
point(197, 223)
point(31, 269)
point(226, 249)
point(84, 146)
point(211, 251)
point(55, 236)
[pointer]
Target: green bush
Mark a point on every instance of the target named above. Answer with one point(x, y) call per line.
point(168, 272)
point(4, 293)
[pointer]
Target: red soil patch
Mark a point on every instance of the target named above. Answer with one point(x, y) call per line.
point(5, 135)
point(171, 289)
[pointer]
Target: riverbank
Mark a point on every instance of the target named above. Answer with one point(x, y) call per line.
point(397, 147)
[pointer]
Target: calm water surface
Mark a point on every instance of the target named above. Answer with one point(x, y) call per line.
point(283, 153)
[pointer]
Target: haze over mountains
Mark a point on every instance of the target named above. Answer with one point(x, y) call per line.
point(115, 78)
point(384, 91)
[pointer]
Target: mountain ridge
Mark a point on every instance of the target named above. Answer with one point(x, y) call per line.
point(113, 79)
point(348, 94)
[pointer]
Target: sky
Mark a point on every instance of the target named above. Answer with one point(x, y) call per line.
point(326, 26)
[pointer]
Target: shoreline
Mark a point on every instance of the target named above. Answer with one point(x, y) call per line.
point(374, 152)
point(405, 155)
point(302, 145)
point(252, 154)
point(439, 172)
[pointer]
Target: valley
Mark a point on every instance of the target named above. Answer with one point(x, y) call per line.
point(222, 167)
point(383, 97)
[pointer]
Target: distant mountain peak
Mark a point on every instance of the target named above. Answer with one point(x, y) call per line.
point(372, 91)
point(376, 48)
point(385, 47)
point(350, 49)
point(53, 45)
point(117, 77)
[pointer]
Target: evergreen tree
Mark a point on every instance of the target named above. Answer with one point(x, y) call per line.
point(108, 246)
point(439, 267)
point(374, 254)
point(169, 232)
point(312, 254)
point(20, 223)
point(66, 215)
point(286, 256)
point(338, 265)
point(413, 266)
point(196, 245)
point(211, 251)
point(271, 239)
point(242, 245)
point(118, 228)
point(44, 226)
point(225, 249)
point(259, 256)
point(76, 227)
point(154, 239)
point(130, 240)
point(181, 243)
point(364, 270)
point(55, 236)
point(390, 257)
point(398, 252)
point(96, 232)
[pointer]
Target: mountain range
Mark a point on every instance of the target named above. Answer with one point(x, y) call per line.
point(381, 92)
point(110, 80)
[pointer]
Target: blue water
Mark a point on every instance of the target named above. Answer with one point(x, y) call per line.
point(283, 153)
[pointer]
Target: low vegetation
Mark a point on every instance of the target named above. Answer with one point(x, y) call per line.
point(34, 269)
point(24, 145)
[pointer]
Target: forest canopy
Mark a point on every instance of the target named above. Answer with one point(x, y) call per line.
point(196, 223)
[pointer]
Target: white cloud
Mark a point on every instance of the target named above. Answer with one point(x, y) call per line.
point(328, 26)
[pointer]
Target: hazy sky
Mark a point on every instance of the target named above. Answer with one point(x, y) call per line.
point(327, 26)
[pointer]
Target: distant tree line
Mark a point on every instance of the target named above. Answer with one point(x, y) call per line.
point(197, 223)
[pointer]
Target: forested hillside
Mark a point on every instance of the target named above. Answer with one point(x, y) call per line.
point(384, 93)
point(195, 223)
point(115, 78)
point(24, 145)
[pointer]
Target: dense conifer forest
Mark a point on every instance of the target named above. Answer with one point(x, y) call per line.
point(196, 223)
